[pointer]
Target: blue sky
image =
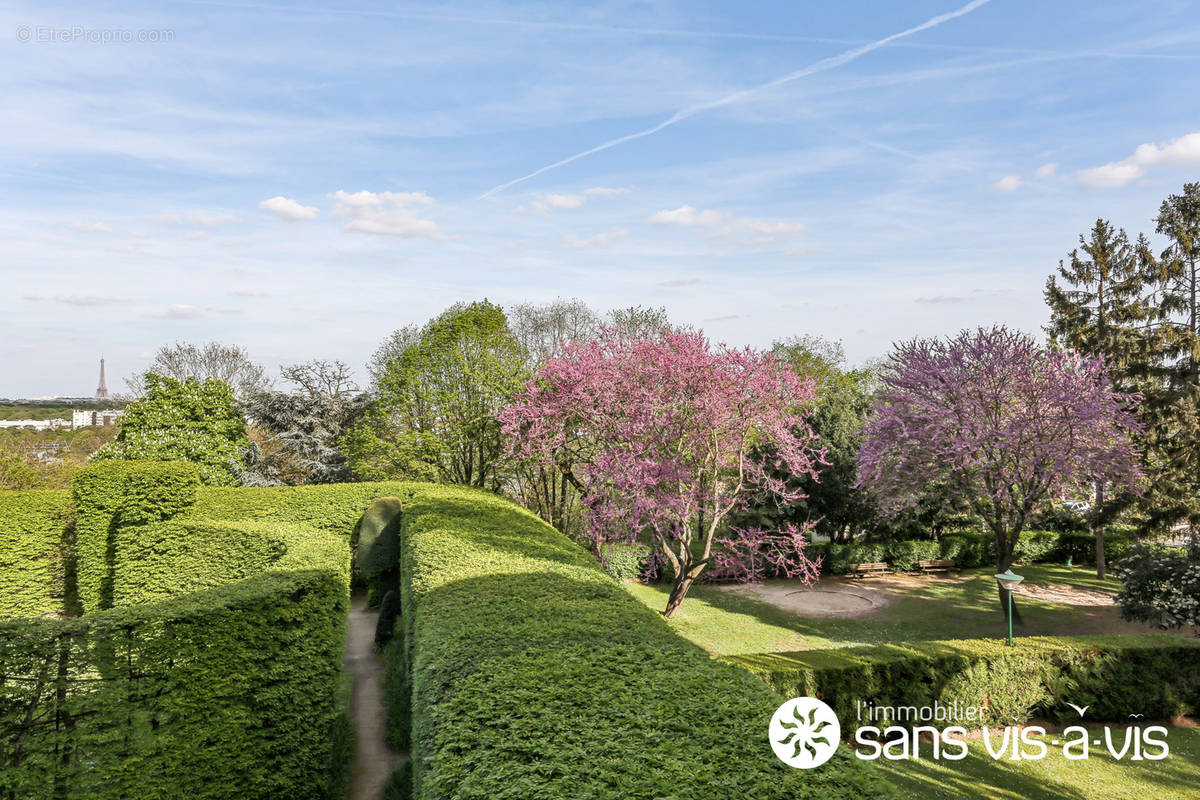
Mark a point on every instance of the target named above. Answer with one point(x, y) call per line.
point(302, 178)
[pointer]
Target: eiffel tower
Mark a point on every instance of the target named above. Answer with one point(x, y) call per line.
point(102, 389)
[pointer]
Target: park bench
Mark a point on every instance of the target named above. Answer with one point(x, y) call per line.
point(936, 565)
point(868, 569)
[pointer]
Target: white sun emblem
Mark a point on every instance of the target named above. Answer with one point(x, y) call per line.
point(804, 732)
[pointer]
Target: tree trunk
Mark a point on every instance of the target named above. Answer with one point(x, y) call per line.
point(1098, 530)
point(678, 591)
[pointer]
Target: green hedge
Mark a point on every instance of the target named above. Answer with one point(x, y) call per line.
point(31, 542)
point(229, 693)
point(969, 550)
point(185, 554)
point(113, 494)
point(336, 508)
point(533, 675)
point(1152, 674)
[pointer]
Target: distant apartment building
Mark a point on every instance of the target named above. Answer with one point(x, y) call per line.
point(85, 419)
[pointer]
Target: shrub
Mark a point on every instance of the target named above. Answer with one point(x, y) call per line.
point(534, 675)
point(842, 556)
point(968, 550)
point(1152, 674)
point(32, 575)
point(1037, 546)
point(625, 562)
point(903, 556)
point(1161, 586)
point(1082, 547)
point(222, 694)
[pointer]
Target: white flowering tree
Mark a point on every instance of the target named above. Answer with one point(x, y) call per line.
point(183, 420)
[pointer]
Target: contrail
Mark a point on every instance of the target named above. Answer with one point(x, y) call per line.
point(820, 66)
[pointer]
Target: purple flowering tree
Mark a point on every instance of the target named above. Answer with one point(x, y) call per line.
point(662, 436)
point(1004, 422)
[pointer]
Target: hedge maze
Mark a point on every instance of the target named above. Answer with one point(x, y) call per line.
point(159, 641)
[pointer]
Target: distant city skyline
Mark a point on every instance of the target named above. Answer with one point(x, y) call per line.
point(303, 179)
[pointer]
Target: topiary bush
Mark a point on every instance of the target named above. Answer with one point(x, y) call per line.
point(534, 675)
point(1152, 674)
point(32, 568)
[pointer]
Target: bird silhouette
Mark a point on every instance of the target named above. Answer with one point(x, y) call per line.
point(1079, 709)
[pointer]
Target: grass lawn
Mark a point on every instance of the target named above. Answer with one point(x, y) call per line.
point(955, 607)
point(1177, 777)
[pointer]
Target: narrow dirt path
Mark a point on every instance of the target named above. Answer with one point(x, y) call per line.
point(373, 760)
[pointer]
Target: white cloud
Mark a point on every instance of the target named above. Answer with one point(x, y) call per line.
point(166, 218)
point(1009, 183)
point(724, 226)
point(224, 309)
point(689, 217)
point(248, 293)
point(1110, 176)
point(178, 311)
point(288, 209)
point(573, 242)
point(1184, 151)
point(91, 227)
point(1046, 170)
point(206, 220)
point(386, 213)
point(195, 235)
point(566, 202)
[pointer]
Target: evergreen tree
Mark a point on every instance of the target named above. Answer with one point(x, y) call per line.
point(1175, 399)
point(1097, 308)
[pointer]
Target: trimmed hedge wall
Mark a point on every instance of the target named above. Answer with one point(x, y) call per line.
point(336, 508)
point(31, 541)
point(113, 494)
point(223, 694)
point(533, 675)
point(164, 559)
point(1153, 674)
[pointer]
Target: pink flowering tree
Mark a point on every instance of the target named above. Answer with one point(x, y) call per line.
point(665, 436)
point(1005, 423)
